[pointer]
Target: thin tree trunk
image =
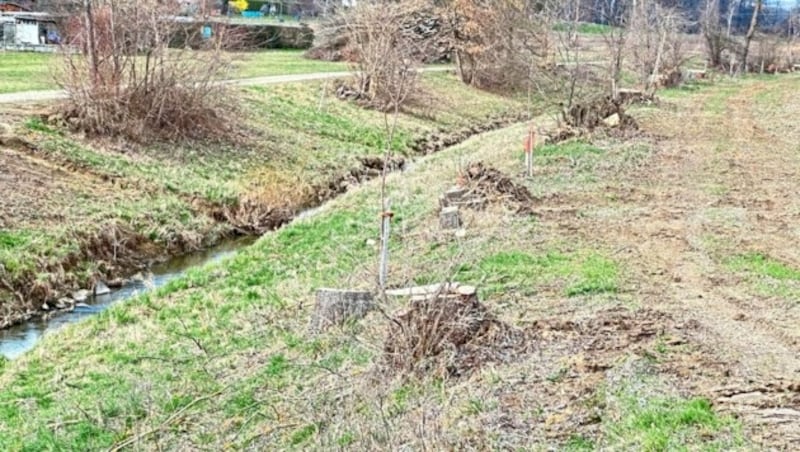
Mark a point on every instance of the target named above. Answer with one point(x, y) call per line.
point(657, 66)
point(750, 32)
point(732, 8)
point(90, 41)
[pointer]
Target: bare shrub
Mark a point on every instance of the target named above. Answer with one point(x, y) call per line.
point(125, 80)
point(387, 58)
point(448, 335)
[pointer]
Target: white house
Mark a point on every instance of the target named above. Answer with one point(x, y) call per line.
point(25, 28)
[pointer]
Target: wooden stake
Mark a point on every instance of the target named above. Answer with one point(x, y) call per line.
point(386, 223)
point(530, 144)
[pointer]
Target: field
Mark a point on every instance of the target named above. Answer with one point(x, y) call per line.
point(26, 71)
point(644, 297)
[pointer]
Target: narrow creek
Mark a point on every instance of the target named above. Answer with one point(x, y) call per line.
point(18, 339)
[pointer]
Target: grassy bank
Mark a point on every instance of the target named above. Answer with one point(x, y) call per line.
point(223, 358)
point(27, 71)
point(84, 208)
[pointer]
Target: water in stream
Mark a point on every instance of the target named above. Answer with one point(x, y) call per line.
point(18, 339)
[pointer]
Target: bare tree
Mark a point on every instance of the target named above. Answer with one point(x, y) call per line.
point(616, 13)
point(569, 66)
point(733, 7)
point(750, 33)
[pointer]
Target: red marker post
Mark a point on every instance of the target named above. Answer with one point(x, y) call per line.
point(529, 143)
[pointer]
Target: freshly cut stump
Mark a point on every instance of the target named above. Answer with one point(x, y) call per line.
point(336, 306)
point(450, 218)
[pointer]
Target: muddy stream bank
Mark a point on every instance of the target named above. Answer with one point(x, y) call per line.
point(20, 338)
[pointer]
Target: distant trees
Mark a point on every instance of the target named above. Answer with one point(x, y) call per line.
point(730, 27)
point(495, 44)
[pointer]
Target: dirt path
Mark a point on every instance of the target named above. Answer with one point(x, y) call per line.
point(722, 183)
point(51, 95)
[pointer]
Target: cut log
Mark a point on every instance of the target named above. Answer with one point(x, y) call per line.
point(612, 121)
point(336, 306)
point(629, 96)
point(432, 289)
point(450, 218)
point(466, 291)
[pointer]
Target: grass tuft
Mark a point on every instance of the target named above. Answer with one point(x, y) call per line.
point(770, 277)
point(764, 266)
point(516, 271)
point(656, 424)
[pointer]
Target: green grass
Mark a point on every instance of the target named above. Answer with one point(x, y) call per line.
point(763, 266)
point(27, 71)
point(23, 71)
point(519, 272)
point(573, 148)
point(656, 424)
point(585, 28)
point(578, 443)
point(281, 62)
point(768, 276)
point(685, 89)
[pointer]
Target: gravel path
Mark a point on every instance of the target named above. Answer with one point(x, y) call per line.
point(51, 95)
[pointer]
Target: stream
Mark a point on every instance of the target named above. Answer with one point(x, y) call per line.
point(18, 339)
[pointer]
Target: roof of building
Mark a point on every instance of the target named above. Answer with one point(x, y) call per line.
point(27, 5)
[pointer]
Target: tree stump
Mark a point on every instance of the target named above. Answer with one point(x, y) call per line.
point(336, 306)
point(450, 218)
point(455, 195)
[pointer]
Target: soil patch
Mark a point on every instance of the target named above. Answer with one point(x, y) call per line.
point(569, 367)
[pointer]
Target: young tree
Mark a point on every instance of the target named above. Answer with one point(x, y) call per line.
point(387, 78)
